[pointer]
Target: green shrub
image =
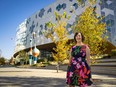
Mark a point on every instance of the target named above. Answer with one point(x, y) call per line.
point(40, 60)
point(35, 65)
point(113, 52)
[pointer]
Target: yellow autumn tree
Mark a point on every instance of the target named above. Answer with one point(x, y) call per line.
point(91, 25)
point(58, 34)
point(91, 2)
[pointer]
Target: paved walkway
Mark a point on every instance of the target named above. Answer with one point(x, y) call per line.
point(20, 77)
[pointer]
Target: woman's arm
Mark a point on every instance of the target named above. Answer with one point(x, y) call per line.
point(88, 55)
point(88, 58)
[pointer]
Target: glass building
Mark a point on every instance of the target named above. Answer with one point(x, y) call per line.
point(108, 9)
point(36, 23)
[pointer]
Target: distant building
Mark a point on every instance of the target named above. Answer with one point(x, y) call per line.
point(108, 9)
point(36, 23)
point(21, 37)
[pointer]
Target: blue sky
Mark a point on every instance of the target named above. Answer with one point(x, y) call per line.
point(12, 13)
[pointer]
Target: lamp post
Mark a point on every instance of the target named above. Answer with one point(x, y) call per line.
point(35, 52)
point(30, 53)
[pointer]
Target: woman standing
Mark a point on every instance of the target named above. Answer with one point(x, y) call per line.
point(78, 73)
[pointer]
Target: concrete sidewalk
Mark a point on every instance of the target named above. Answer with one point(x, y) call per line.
point(21, 77)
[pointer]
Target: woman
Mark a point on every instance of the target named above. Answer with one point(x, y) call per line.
point(78, 73)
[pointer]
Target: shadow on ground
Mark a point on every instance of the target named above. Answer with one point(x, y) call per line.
point(44, 82)
point(53, 82)
point(31, 82)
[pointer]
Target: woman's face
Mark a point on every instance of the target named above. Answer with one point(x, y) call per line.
point(79, 37)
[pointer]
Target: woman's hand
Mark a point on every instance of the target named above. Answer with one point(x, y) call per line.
point(69, 64)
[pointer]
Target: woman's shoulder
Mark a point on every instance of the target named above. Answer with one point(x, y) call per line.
point(74, 46)
point(85, 46)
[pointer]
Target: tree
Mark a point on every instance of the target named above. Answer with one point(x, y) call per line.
point(58, 34)
point(23, 56)
point(91, 2)
point(2, 60)
point(91, 25)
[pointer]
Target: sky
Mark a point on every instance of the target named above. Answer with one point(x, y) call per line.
point(13, 13)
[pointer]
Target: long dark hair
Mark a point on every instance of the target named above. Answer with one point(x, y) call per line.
point(77, 34)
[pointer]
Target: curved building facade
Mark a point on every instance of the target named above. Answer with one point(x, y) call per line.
point(36, 23)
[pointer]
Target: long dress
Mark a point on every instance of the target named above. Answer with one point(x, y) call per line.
point(78, 73)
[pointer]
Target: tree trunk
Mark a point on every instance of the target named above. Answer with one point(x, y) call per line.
point(57, 67)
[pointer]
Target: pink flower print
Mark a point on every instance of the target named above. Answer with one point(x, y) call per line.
point(68, 73)
point(78, 66)
point(73, 46)
point(79, 59)
point(68, 81)
point(84, 85)
point(82, 73)
point(74, 62)
point(83, 49)
point(83, 63)
point(83, 54)
point(71, 73)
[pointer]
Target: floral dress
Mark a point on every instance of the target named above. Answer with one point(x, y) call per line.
point(78, 73)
